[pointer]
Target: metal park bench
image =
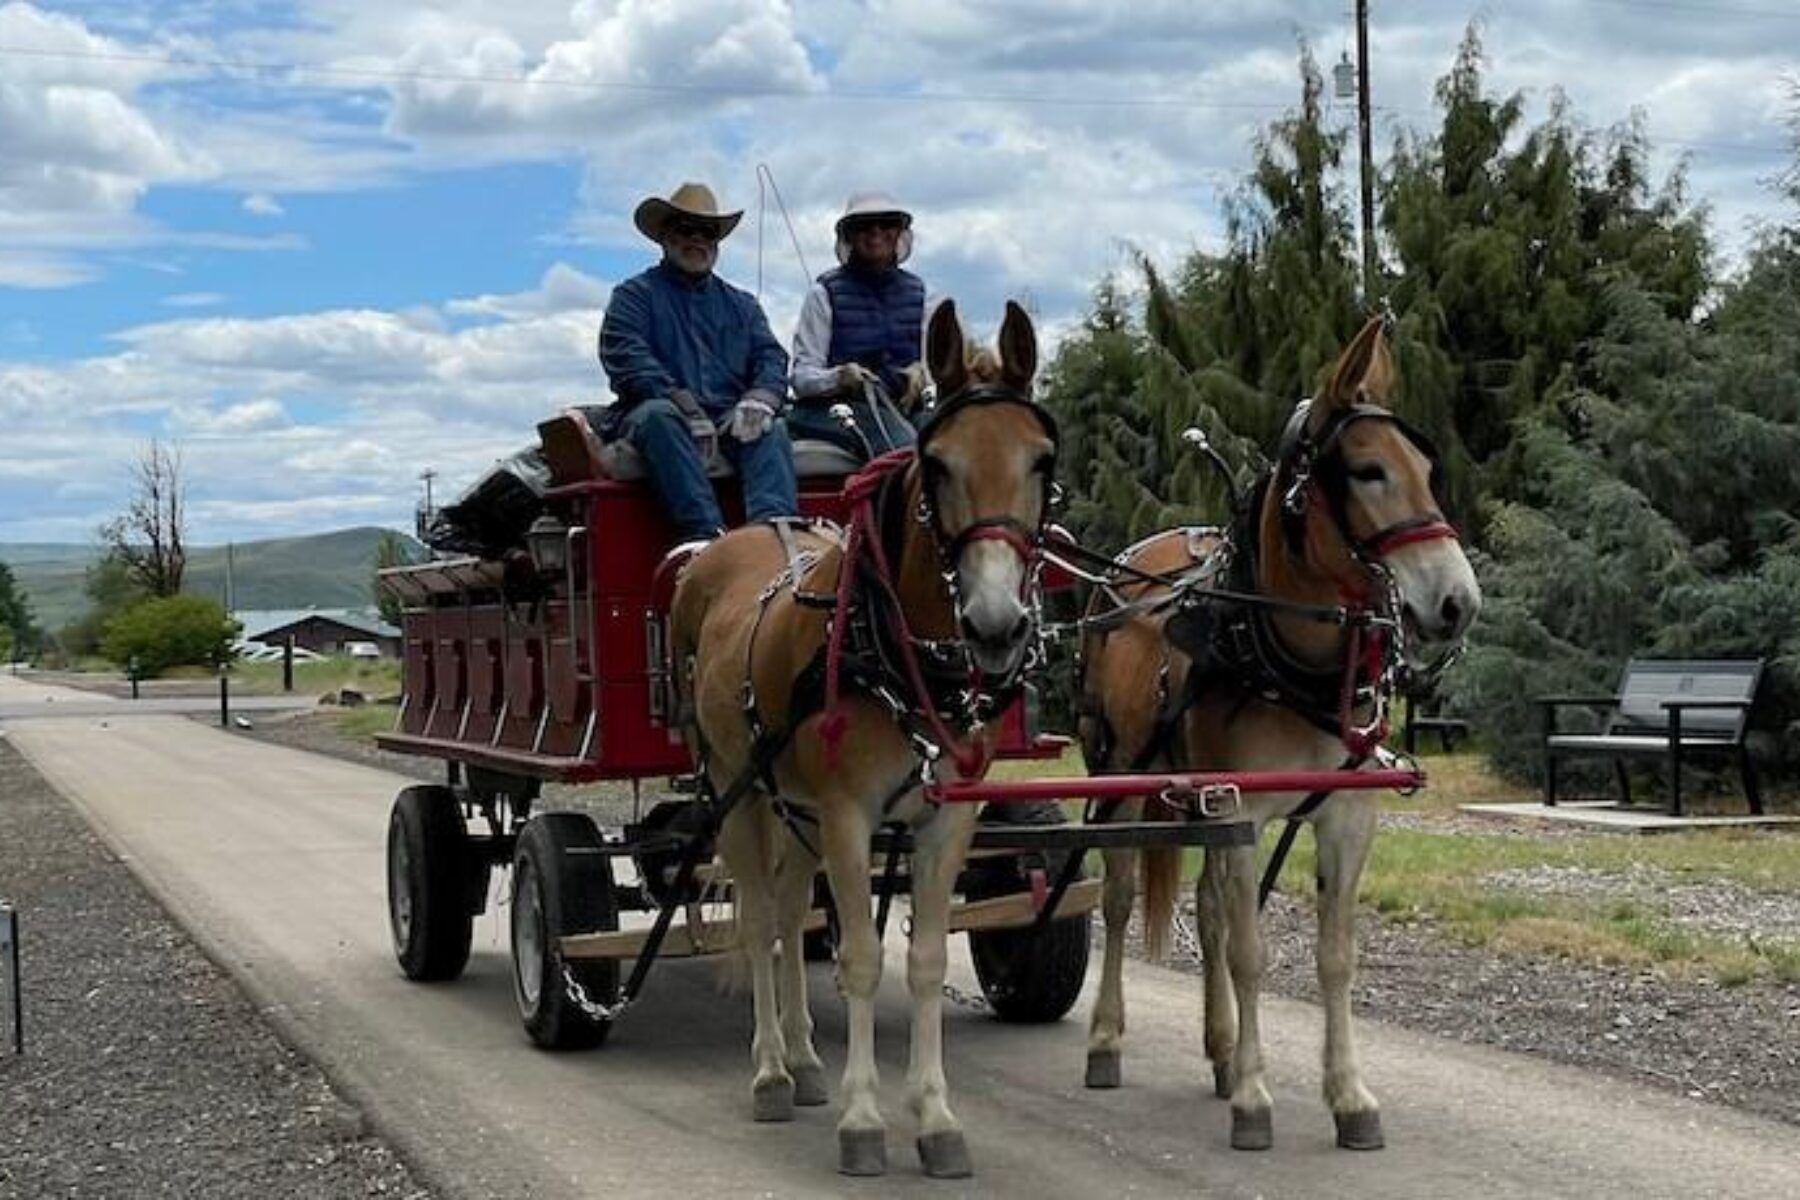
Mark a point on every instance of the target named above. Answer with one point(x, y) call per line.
point(1672, 708)
point(1449, 729)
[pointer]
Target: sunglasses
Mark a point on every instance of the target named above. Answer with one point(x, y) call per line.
point(691, 229)
point(883, 224)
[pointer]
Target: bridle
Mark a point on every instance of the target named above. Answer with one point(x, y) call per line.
point(1313, 464)
point(1025, 541)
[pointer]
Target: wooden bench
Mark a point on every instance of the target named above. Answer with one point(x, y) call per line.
point(1668, 708)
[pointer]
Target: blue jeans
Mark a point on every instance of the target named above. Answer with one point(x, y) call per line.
point(677, 473)
point(883, 430)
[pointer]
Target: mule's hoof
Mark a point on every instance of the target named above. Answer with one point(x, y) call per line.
point(1359, 1130)
point(1252, 1128)
point(862, 1151)
point(1223, 1080)
point(809, 1087)
point(945, 1155)
point(1103, 1070)
point(772, 1100)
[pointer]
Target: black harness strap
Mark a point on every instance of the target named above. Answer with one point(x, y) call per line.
point(1307, 808)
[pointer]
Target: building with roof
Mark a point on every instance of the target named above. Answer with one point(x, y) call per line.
point(321, 630)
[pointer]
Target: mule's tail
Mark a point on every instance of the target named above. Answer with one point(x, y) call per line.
point(1159, 880)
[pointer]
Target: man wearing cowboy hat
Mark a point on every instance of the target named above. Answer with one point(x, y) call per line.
point(678, 343)
point(862, 331)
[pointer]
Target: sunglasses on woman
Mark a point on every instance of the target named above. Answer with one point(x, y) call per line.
point(883, 224)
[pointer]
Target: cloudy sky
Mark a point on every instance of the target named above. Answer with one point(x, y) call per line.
point(325, 244)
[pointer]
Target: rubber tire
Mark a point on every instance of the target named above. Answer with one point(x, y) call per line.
point(1052, 974)
point(556, 855)
point(426, 832)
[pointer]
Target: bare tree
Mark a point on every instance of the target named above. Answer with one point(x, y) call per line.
point(148, 536)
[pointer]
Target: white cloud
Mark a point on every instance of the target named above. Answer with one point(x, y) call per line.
point(1127, 120)
point(193, 300)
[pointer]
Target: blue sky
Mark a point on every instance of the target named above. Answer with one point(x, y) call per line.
point(324, 244)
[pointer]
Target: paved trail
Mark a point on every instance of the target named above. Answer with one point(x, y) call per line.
point(274, 859)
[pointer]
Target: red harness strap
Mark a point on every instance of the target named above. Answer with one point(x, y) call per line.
point(971, 758)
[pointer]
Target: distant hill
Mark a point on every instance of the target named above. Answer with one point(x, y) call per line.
point(324, 570)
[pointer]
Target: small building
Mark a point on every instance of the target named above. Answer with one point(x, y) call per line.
point(321, 630)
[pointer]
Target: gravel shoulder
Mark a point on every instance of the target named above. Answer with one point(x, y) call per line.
point(147, 1072)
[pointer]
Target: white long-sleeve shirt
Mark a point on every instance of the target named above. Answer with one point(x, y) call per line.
point(808, 372)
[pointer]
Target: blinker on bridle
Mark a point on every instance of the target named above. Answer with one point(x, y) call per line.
point(1303, 456)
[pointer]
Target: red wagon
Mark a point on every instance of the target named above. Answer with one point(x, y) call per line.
point(551, 666)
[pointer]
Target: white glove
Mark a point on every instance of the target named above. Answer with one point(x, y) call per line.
point(853, 377)
point(751, 418)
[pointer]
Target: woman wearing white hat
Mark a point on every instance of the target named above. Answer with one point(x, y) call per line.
point(861, 332)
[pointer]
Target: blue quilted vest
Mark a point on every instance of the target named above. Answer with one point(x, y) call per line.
point(877, 320)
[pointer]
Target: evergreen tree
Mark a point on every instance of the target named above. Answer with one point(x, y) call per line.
point(22, 634)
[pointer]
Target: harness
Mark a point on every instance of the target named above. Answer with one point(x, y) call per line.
point(1229, 632)
point(932, 688)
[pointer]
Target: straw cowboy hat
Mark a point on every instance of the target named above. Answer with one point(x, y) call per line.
point(865, 206)
point(690, 201)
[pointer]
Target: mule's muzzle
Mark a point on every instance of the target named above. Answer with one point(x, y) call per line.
point(1444, 619)
point(998, 648)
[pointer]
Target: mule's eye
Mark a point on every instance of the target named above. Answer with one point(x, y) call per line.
point(1373, 473)
point(935, 470)
point(1045, 465)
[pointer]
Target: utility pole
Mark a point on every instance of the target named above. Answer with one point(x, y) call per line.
point(230, 583)
point(1368, 159)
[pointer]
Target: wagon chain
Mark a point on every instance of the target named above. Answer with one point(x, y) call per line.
point(968, 1000)
point(592, 1009)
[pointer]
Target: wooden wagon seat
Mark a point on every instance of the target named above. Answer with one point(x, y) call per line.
point(568, 452)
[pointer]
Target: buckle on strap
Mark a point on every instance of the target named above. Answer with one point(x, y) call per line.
point(1207, 802)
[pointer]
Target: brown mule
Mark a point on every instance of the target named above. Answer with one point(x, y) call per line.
point(1349, 517)
point(960, 525)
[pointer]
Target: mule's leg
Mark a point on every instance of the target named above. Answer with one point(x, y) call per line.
point(1106, 1030)
point(862, 1134)
point(1220, 1008)
point(940, 847)
point(744, 844)
point(1252, 1121)
point(1344, 833)
point(793, 900)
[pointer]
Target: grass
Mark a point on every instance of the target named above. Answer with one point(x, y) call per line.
point(372, 677)
point(1445, 876)
point(365, 721)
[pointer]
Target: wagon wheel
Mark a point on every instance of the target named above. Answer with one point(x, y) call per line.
point(562, 884)
point(431, 869)
point(1027, 980)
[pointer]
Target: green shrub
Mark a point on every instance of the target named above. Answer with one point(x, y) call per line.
point(169, 632)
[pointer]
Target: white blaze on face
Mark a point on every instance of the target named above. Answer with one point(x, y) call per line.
point(991, 576)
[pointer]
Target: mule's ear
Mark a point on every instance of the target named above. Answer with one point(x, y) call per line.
point(1018, 348)
point(1365, 370)
point(944, 350)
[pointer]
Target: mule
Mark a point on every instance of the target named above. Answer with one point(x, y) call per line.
point(828, 677)
point(1347, 521)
